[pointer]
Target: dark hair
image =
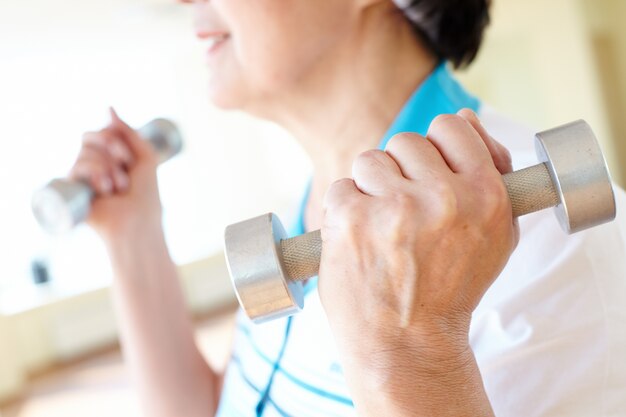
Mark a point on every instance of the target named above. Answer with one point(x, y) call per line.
point(452, 29)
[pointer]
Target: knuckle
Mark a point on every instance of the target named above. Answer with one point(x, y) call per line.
point(347, 214)
point(338, 185)
point(374, 154)
point(340, 203)
point(401, 140)
point(495, 200)
point(369, 158)
point(443, 200)
point(107, 139)
point(445, 124)
point(444, 120)
point(484, 173)
point(78, 171)
point(505, 156)
point(467, 113)
point(87, 137)
point(436, 206)
point(404, 204)
point(91, 154)
point(441, 206)
point(399, 212)
point(334, 193)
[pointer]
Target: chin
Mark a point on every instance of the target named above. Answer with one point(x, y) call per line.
point(227, 95)
point(225, 100)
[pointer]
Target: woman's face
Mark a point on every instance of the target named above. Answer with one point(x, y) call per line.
point(259, 48)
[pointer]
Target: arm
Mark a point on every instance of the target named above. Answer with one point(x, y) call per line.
point(157, 336)
point(411, 244)
point(171, 375)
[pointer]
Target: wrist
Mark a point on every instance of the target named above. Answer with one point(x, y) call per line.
point(437, 375)
point(433, 356)
point(430, 336)
point(429, 350)
point(132, 239)
point(131, 228)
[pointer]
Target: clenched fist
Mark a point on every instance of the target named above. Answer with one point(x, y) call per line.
point(410, 245)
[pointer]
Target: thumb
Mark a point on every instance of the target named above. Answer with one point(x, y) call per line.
point(138, 145)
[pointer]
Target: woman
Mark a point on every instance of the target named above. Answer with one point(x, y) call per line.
point(413, 235)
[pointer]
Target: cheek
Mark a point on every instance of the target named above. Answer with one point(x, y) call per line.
point(245, 71)
point(275, 43)
point(252, 60)
point(269, 62)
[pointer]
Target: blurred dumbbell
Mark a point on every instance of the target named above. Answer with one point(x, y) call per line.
point(267, 268)
point(62, 204)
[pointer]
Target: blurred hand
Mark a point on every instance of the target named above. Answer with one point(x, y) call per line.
point(410, 245)
point(120, 166)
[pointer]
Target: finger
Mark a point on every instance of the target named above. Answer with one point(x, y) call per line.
point(340, 192)
point(500, 155)
point(344, 210)
point(121, 180)
point(110, 142)
point(460, 144)
point(416, 156)
point(94, 174)
point(95, 166)
point(93, 157)
point(376, 173)
point(140, 147)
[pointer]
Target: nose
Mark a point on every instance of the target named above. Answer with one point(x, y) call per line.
point(205, 20)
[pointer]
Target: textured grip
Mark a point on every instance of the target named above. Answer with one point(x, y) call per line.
point(301, 255)
point(530, 189)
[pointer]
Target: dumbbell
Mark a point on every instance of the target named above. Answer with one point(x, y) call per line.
point(62, 203)
point(267, 268)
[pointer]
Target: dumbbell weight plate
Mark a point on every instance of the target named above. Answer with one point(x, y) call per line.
point(255, 263)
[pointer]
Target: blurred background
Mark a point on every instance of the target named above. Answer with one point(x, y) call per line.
point(63, 63)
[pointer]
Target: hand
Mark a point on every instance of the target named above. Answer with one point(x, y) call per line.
point(410, 245)
point(120, 167)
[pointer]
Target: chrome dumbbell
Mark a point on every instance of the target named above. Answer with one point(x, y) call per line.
point(267, 268)
point(62, 204)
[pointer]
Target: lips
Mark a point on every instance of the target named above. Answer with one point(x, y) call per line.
point(213, 40)
point(217, 41)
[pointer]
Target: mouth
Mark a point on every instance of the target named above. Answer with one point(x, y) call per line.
point(213, 40)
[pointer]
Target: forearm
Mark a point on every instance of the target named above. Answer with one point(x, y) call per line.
point(157, 335)
point(426, 375)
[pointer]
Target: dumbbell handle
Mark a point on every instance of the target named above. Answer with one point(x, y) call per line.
point(63, 203)
point(530, 189)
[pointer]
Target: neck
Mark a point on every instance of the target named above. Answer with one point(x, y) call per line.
point(348, 101)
